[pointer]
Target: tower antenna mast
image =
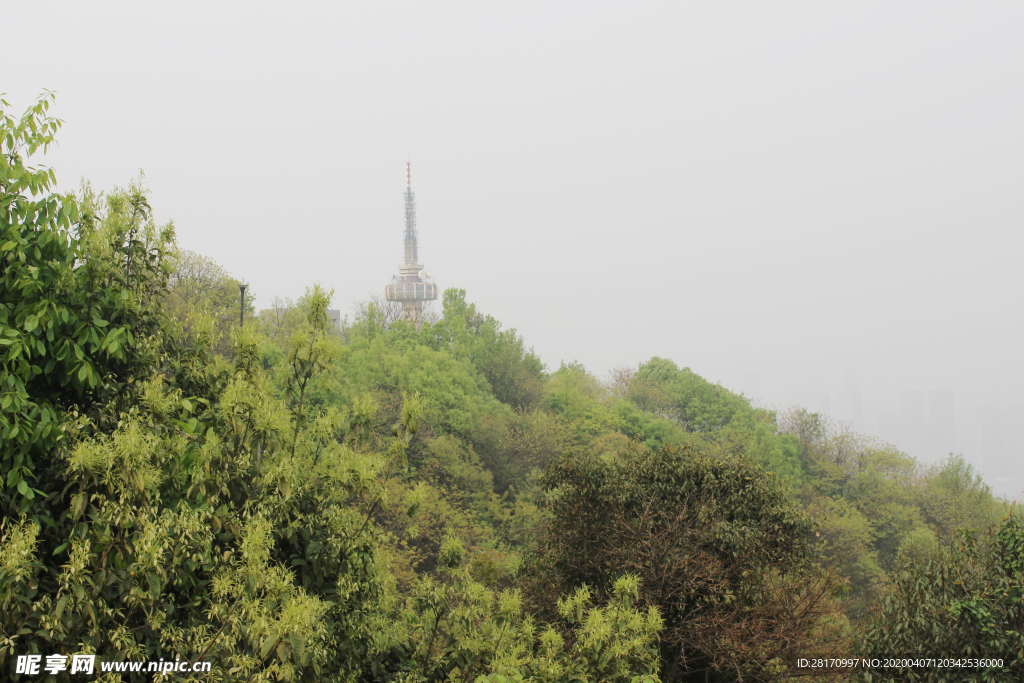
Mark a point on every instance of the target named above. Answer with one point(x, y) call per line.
point(411, 255)
point(411, 286)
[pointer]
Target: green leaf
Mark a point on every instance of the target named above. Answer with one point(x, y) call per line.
point(298, 645)
point(268, 645)
point(61, 604)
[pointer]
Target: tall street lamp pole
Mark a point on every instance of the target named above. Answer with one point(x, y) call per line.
point(241, 308)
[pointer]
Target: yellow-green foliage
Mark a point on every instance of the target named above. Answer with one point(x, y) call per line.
point(198, 285)
point(17, 554)
point(459, 630)
point(876, 505)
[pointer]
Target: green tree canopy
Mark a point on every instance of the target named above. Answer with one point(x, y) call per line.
point(967, 600)
point(197, 283)
point(721, 550)
point(79, 297)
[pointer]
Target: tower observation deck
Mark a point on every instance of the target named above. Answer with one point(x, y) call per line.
point(411, 286)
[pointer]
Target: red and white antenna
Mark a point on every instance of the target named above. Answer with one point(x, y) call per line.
point(408, 174)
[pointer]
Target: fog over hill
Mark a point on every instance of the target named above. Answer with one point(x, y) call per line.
point(815, 204)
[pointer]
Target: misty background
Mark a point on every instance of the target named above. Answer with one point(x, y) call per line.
point(812, 203)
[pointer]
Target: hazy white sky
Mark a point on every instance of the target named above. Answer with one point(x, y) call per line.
point(781, 196)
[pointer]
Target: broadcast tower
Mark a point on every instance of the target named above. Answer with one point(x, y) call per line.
point(411, 286)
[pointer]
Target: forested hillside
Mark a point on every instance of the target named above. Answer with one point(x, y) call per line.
point(376, 502)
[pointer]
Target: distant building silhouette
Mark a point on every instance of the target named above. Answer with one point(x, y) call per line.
point(941, 423)
point(991, 437)
point(913, 421)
